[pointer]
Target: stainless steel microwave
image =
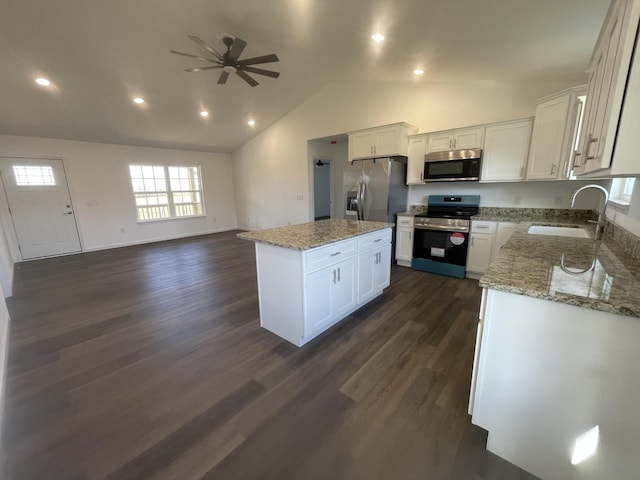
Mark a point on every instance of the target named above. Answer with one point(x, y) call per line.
point(453, 165)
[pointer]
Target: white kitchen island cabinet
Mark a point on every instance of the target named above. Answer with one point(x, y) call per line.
point(304, 291)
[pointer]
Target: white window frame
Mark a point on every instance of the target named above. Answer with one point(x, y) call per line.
point(164, 188)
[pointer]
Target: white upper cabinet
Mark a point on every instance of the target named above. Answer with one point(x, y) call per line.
point(506, 148)
point(610, 93)
point(415, 163)
point(390, 140)
point(554, 135)
point(456, 139)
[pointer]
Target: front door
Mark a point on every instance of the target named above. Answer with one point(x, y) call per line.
point(40, 205)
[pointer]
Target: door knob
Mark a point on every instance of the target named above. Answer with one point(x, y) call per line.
point(68, 213)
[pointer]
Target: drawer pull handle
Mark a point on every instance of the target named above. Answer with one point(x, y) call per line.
point(334, 254)
point(482, 226)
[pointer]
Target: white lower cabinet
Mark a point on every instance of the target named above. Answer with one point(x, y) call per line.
point(485, 241)
point(329, 293)
point(374, 269)
point(302, 293)
point(404, 240)
point(479, 254)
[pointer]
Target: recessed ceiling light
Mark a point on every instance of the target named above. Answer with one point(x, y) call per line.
point(418, 71)
point(377, 37)
point(43, 81)
point(251, 123)
point(204, 113)
point(139, 100)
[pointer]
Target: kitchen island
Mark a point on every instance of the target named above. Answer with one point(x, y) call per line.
point(556, 361)
point(312, 275)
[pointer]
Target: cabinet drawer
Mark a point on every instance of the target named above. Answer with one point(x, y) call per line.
point(330, 254)
point(483, 227)
point(404, 221)
point(375, 239)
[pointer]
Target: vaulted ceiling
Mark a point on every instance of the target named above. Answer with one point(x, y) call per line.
point(100, 55)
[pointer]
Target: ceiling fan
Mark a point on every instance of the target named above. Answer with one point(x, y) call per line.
point(229, 61)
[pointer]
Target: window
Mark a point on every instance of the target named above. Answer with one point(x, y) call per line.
point(163, 191)
point(37, 175)
point(621, 190)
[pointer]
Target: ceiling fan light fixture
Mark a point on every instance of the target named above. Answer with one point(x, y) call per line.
point(377, 37)
point(138, 100)
point(251, 123)
point(229, 69)
point(204, 114)
point(43, 81)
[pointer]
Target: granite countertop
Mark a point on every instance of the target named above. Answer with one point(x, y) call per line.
point(577, 271)
point(305, 236)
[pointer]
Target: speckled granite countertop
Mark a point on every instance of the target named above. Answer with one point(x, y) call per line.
point(315, 234)
point(540, 216)
point(548, 267)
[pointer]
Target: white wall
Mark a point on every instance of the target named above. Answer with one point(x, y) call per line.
point(271, 170)
point(531, 194)
point(99, 173)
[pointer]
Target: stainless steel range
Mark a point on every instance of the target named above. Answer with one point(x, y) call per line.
point(441, 235)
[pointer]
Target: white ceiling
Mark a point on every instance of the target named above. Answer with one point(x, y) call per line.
point(100, 54)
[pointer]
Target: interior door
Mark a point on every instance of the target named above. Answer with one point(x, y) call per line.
point(40, 206)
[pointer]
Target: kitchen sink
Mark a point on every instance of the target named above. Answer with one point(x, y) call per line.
point(575, 232)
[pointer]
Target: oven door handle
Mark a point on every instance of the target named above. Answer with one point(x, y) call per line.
point(442, 228)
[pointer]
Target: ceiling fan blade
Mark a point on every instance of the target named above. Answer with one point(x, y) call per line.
point(223, 78)
point(199, 69)
point(194, 56)
point(205, 45)
point(260, 71)
point(264, 59)
point(236, 48)
point(246, 78)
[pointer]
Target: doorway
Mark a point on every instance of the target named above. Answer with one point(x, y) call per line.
point(40, 206)
point(321, 189)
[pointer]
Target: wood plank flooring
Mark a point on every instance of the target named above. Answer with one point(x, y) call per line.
point(148, 362)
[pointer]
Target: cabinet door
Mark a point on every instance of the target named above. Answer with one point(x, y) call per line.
point(468, 138)
point(361, 145)
point(374, 271)
point(344, 294)
point(318, 293)
point(404, 244)
point(549, 139)
point(609, 69)
point(387, 141)
point(479, 254)
point(382, 269)
point(415, 162)
point(440, 142)
point(506, 147)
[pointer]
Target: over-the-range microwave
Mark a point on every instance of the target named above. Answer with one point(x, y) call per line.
point(453, 165)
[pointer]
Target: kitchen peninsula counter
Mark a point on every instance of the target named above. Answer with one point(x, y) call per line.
point(312, 275)
point(578, 271)
point(305, 236)
point(557, 349)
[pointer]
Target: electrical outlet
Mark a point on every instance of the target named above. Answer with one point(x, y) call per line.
point(558, 200)
point(299, 197)
point(122, 230)
point(92, 203)
point(517, 199)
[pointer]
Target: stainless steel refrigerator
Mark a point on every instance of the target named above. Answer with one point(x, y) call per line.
point(376, 189)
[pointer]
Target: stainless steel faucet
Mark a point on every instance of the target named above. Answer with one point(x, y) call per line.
point(603, 207)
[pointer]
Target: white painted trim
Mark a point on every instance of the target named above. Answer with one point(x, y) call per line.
point(4, 355)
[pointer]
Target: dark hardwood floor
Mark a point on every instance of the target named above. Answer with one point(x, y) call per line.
point(148, 362)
